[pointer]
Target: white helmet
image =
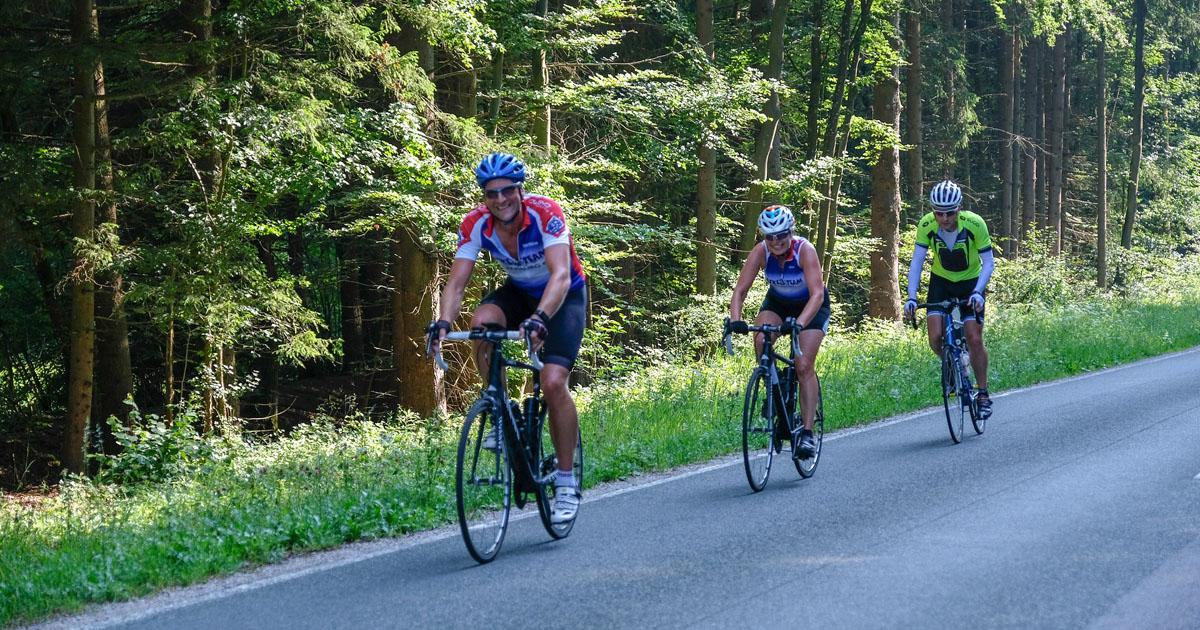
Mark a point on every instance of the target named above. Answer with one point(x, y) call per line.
point(945, 195)
point(775, 219)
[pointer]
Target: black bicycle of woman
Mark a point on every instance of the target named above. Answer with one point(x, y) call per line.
point(505, 453)
point(958, 394)
point(770, 419)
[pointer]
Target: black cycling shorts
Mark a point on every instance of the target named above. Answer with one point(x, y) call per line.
point(564, 331)
point(788, 308)
point(942, 289)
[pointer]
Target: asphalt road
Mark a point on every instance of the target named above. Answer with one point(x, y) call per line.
point(1079, 508)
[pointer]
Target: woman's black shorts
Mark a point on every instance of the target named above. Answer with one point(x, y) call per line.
point(786, 308)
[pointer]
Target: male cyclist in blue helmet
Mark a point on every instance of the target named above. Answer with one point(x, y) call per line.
point(545, 295)
point(962, 266)
point(792, 268)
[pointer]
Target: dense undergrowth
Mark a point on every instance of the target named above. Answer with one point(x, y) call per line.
point(176, 507)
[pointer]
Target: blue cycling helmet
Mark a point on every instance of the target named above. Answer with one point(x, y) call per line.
point(945, 195)
point(775, 219)
point(499, 165)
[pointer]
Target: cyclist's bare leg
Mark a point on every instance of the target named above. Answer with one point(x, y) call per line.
point(935, 323)
point(564, 419)
point(486, 314)
point(764, 317)
point(973, 331)
point(810, 343)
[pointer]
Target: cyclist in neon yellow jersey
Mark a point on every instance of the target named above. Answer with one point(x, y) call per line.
point(962, 265)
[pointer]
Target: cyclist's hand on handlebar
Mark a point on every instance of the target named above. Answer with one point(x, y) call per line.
point(535, 328)
point(910, 308)
point(435, 333)
point(976, 301)
point(737, 326)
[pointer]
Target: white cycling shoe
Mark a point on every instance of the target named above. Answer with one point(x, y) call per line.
point(566, 505)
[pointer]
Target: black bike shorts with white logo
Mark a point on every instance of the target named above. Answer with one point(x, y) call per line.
point(787, 308)
point(564, 331)
point(942, 289)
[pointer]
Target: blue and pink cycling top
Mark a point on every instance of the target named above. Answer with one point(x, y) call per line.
point(787, 278)
point(543, 225)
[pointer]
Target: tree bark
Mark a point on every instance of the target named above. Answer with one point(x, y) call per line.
point(884, 298)
point(1029, 147)
point(913, 131)
point(770, 127)
point(1057, 123)
point(540, 74)
point(706, 180)
point(353, 353)
point(114, 382)
point(816, 82)
point(496, 87)
point(83, 224)
point(1007, 132)
point(1102, 162)
point(1139, 106)
point(419, 386)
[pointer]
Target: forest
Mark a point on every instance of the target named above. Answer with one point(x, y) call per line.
point(228, 216)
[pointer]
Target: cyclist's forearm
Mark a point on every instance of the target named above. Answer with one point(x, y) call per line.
point(914, 270)
point(988, 263)
point(555, 293)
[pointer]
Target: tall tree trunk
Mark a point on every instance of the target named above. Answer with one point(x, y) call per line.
point(1007, 99)
point(1057, 124)
point(1139, 106)
point(497, 86)
point(706, 181)
point(541, 80)
point(1042, 99)
point(1013, 228)
point(353, 352)
point(770, 127)
point(1029, 148)
point(419, 386)
point(83, 225)
point(461, 90)
point(816, 79)
point(884, 299)
point(114, 373)
point(1102, 162)
point(913, 131)
point(849, 59)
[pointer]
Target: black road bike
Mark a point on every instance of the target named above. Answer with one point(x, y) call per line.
point(958, 394)
point(505, 452)
point(771, 421)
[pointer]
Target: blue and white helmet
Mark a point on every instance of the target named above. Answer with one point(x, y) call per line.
point(945, 195)
point(775, 219)
point(499, 165)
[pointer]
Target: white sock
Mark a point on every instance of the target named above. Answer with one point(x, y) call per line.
point(564, 479)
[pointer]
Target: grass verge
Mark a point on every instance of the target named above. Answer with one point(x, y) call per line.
point(323, 486)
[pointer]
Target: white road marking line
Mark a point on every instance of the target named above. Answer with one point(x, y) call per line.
point(108, 615)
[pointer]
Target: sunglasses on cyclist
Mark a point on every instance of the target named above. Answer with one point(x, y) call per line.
point(945, 213)
point(779, 236)
point(495, 193)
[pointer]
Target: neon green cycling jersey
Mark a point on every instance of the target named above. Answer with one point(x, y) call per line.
point(960, 262)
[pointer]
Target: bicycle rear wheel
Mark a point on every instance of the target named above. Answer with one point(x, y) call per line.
point(951, 401)
point(547, 465)
point(758, 431)
point(806, 467)
point(483, 482)
point(977, 421)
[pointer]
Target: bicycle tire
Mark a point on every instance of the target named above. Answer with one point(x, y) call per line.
point(483, 487)
point(951, 400)
point(547, 464)
point(977, 422)
point(758, 431)
point(806, 467)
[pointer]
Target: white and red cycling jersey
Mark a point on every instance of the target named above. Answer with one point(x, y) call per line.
point(543, 224)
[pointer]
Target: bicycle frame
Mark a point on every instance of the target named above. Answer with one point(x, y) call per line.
point(517, 429)
point(767, 365)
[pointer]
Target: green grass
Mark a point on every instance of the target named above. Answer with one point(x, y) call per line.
point(323, 486)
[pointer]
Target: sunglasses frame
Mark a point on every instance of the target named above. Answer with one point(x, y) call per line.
point(496, 193)
point(945, 213)
point(778, 236)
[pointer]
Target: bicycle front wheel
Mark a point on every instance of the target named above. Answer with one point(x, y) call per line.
point(806, 467)
point(548, 464)
point(951, 401)
point(483, 482)
point(758, 431)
